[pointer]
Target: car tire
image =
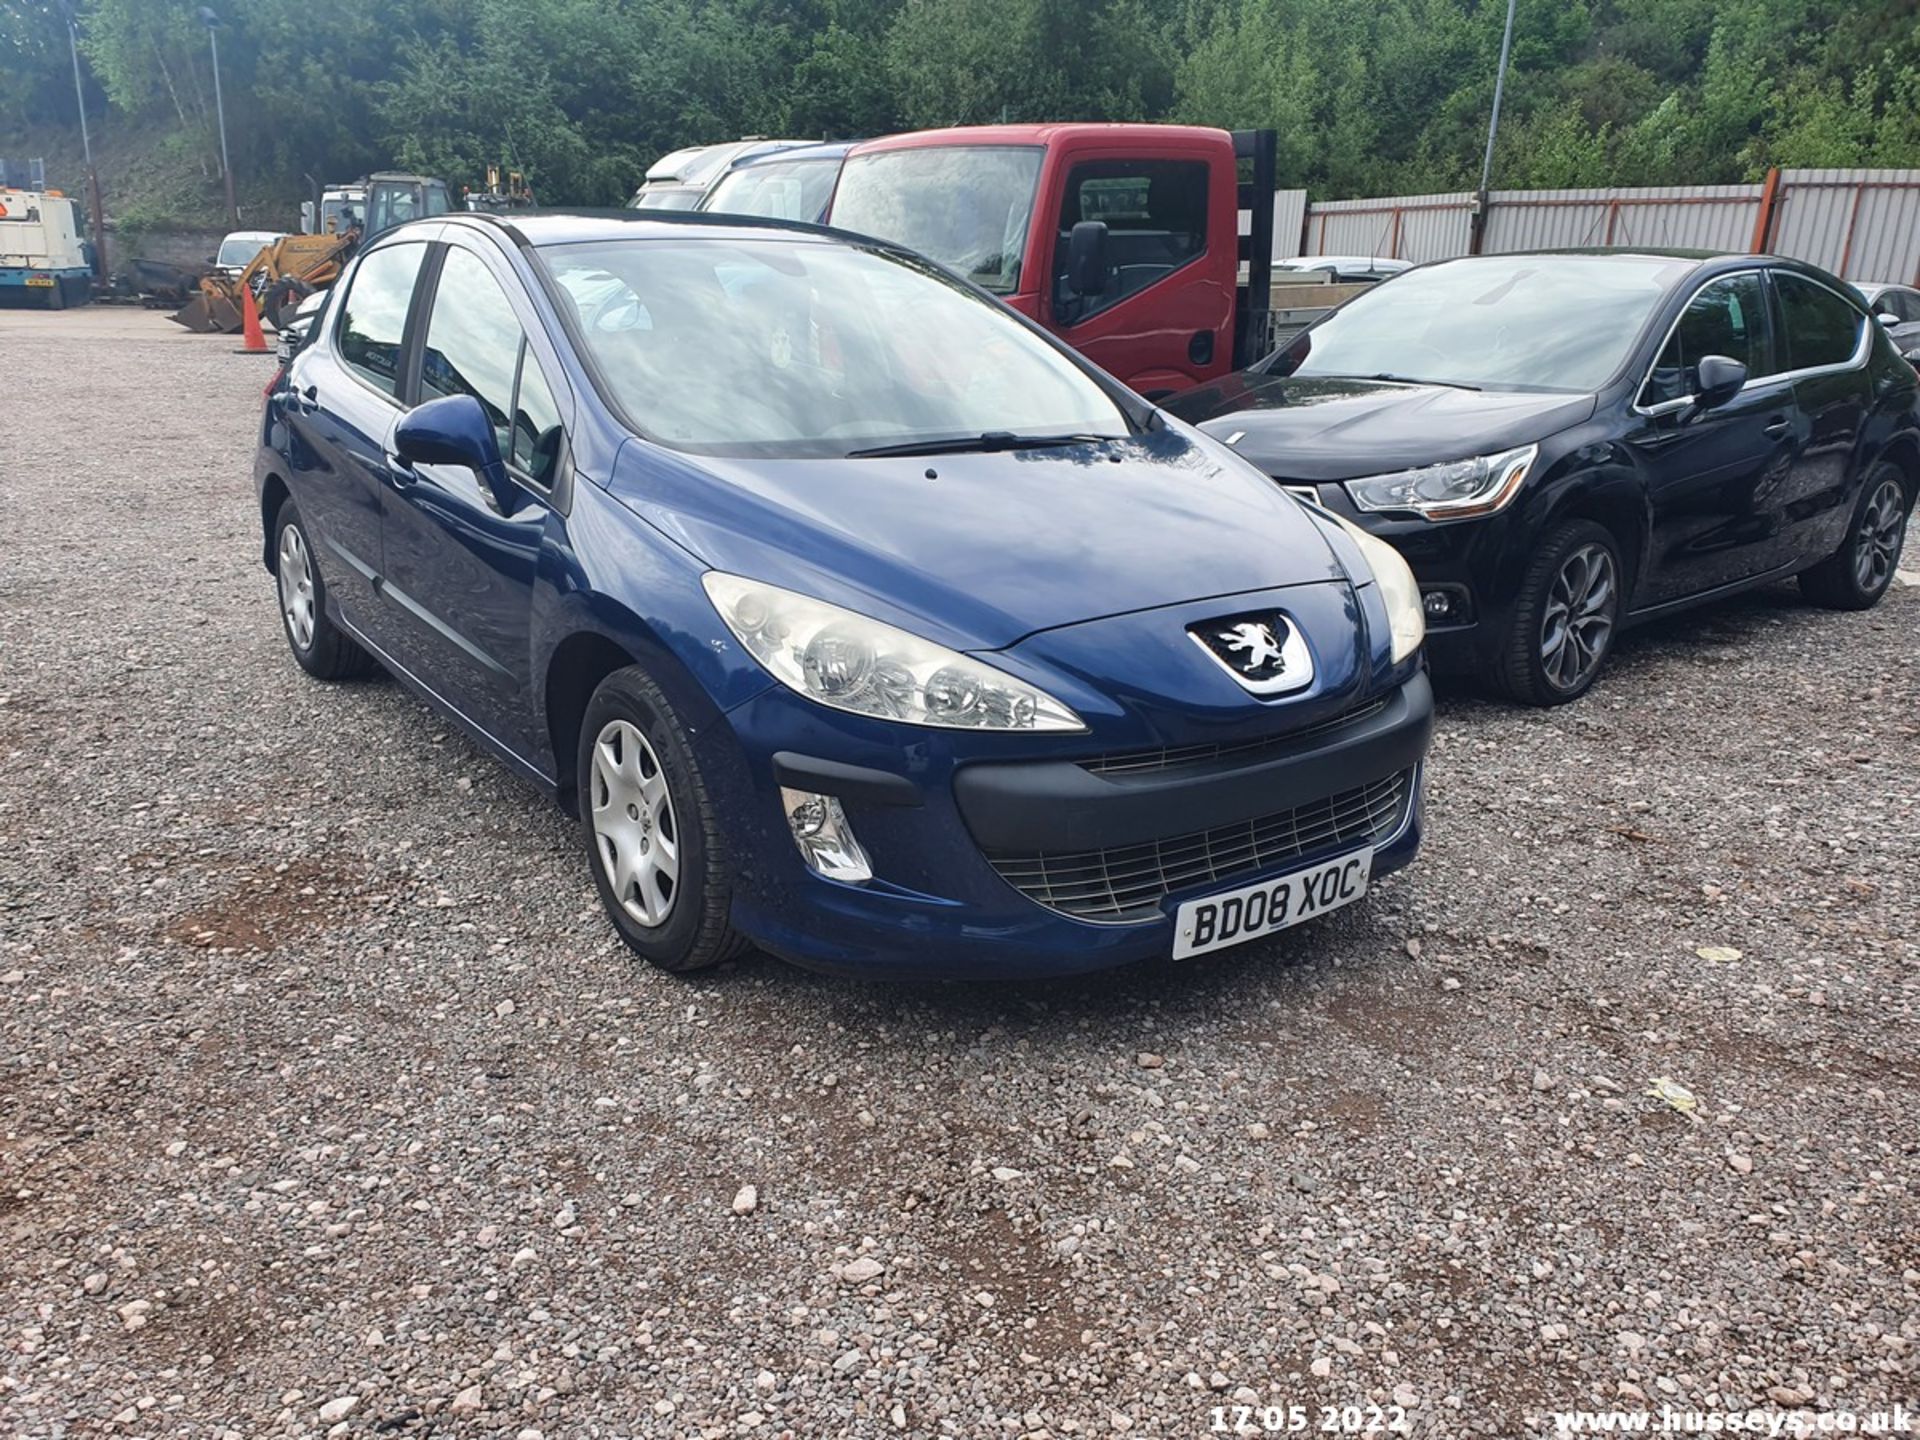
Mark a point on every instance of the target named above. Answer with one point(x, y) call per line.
point(644, 810)
point(321, 647)
point(1575, 575)
point(1856, 575)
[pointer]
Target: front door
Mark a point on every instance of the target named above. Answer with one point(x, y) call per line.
point(461, 561)
point(1714, 476)
point(1164, 322)
point(341, 407)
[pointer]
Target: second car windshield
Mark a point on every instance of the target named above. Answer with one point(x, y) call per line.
point(966, 206)
point(810, 348)
point(1519, 322)
point(781, 190)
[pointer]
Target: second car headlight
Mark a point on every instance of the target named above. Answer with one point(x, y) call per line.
point(1398, 589)
point(847, 661)
point(1456, 490)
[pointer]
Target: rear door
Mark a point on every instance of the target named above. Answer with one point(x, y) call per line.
point(343, 400)
point(1714, 477)
point(1826, 341)
point(460, 563)
point(1165, 321)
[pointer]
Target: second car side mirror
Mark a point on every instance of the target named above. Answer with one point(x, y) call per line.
point(1087, 258)
point(1888, 319)
point(1720, 380)
point(454, 430)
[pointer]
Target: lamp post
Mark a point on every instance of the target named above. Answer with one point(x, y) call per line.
point(212, 22)
point(1493, 129)
point(86, 143)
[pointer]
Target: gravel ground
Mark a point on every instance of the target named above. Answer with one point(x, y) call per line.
point(328, 1105)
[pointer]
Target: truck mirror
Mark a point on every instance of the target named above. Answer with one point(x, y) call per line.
point(1087, 258)
point(306, 217)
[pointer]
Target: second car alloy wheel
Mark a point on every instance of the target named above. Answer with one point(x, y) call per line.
point(1882, 530)
point(1576, 626)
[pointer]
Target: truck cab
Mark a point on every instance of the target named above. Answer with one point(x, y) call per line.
point(394, 198)
point(1123, 240)
point(43, 260)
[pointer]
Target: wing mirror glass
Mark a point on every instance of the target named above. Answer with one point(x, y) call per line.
point(1720, 380)
point(1087, 258)
point(454, 430)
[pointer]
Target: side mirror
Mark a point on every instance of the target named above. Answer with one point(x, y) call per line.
point(1720, 380)
point(306, 217)
point(454, 430)
point(1087, 258)
point(1888, 318)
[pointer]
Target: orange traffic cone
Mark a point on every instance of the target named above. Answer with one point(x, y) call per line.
point(252, 342)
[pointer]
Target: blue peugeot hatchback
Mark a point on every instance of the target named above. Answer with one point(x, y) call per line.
point(855, 617)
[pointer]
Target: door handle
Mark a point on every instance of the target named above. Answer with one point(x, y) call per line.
point(1776, 427)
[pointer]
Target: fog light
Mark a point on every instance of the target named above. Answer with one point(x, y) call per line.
point(821, 830)
point(1438, 604)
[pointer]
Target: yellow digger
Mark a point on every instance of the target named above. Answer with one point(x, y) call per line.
point(280, 276)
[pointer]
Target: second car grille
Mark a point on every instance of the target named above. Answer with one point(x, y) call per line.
point(1128, 882)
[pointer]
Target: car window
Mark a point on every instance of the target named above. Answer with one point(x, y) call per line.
point(475, 346)
point(1903, 304)
point(795, 190)
point(1822, 329)
point(801, 348)
point(1724, 318)
point(1155, 212)
point(373, 321)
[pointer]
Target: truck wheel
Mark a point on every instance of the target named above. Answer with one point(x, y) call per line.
point(652, 833)
point(1565, 618)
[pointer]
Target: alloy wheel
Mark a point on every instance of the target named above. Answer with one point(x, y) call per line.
point(296, 586)
point(634, 828)
point(1882, 530)
point(1577, 623)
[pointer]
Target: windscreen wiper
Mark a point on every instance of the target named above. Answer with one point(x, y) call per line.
point(1416, 380)
point(965, 444)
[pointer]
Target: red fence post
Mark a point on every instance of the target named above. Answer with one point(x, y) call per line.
point(1763, 222)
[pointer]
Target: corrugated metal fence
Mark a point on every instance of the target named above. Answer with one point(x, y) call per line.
point(1860, 224)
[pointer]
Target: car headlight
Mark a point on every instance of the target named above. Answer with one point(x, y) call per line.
point(852, 663)
point(1457, 490)
point(1398, 589)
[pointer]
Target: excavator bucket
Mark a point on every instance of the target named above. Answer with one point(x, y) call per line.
point(209, 312)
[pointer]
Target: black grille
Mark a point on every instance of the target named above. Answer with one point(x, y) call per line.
point(1239, 751)
point(1129, 881)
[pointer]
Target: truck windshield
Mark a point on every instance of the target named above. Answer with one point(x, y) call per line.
point(1503, 322)
point(809, 349)
point(779, 189)
point(966, 206)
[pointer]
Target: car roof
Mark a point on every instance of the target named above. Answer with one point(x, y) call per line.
point(1038, 135)
point(533, 228)
point(824, 150)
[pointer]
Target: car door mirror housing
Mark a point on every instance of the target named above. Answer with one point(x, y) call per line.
point(453, 430)
point(1720, 379)
point(1888, 319)
point(1087, 258)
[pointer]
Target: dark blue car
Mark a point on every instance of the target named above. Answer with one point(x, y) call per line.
point(855, 617)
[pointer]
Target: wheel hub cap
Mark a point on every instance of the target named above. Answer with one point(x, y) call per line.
point(635, 833)
point(1577, 624)
point(296, 587)
point(1883, 529)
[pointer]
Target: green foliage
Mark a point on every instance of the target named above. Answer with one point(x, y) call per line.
point(1368, 96)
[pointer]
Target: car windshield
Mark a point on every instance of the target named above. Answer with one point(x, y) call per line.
point(779, 190)
point(803, 348)
point(237, 251)
point(966, 206)
point(1503, 322)
point(667, 197)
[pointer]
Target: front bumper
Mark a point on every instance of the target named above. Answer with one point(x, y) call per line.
point(955, 834)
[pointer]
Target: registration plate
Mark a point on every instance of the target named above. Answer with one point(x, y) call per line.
point(1237, 916)
point(44, 282)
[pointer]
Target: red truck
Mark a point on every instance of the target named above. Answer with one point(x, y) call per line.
point(1124, 240)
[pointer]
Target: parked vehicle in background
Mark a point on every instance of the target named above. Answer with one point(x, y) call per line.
point(43, 259)
point(1566, 444)
point(784, 185)
point(1898, 308)
point(856, 618)
point(338, 210)
point(1345, 269)
point(395, 197)
point(238, 249)
point(677, 181)
point(1123, 240)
